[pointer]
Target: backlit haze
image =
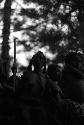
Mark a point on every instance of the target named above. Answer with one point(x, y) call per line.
point(22, 55)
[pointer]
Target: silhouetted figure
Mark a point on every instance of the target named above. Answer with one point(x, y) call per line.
point(9, 105)
point(31, 77)
point(54, 73)
point(37, 94)
point(30, 91)
point(73, 76)
point(72, 85)
point(13, 79)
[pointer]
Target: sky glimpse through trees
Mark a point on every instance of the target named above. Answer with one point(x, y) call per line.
point(51, 26)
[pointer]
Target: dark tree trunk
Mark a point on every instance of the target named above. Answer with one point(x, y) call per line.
point(81, 28)
point(5, 42)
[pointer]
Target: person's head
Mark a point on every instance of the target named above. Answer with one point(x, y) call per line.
point(38, 61)
point(54, 72)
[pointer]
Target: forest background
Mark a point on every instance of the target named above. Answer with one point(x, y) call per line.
point(52, 26)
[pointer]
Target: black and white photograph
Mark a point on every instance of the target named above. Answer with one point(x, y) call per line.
point(42, 62)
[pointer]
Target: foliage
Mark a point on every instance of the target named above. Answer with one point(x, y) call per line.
point(53, 23)
point(56, 13)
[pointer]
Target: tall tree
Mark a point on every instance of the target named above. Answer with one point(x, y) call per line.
point(6, 33)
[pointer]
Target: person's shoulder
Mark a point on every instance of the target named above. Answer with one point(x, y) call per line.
point(26, 73)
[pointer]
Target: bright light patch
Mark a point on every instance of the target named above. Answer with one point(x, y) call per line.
point(59, 24)
point(62, 43)
point(61, 9)
point(20, 3)
point(2, 3)
point(65, 29)
point(28, 22)
point(22, 59)
point(67, 9)
point(22, 56)
point(50, 26)
point(17, 35)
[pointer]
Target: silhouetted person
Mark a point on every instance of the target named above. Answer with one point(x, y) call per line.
point(10, 81)
point(32, 77)
point(30, 91)
point(7, 107)
point(36, 92)
point(72, 85)
point(54, 73)
point(73, 76)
